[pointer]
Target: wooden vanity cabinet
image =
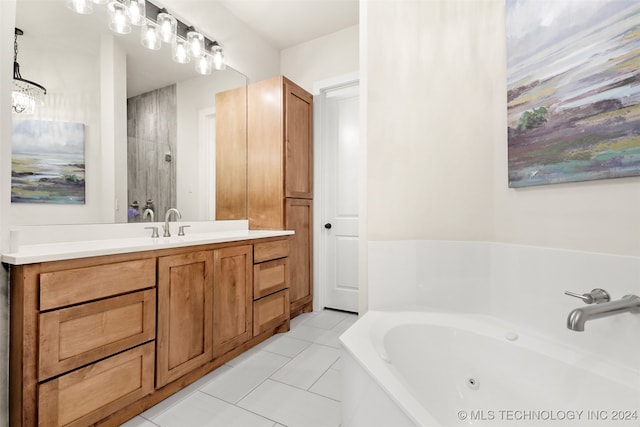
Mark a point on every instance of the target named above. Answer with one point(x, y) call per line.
point(96, 341)
point(280, 174)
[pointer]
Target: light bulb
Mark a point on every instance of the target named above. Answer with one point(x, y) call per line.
point(167, 26)
point(119, 17)
point(149, 36)
point(138, 12)
point(195, 40)
point(84, 7)
point(218, 57)
point(180, 53)
point(204, 64)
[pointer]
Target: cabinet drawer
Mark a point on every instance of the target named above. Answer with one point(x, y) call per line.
point(87, 395)
point(76, 336)
point(270, 311)
point(68, 287)
point(269, 277)
point(270, 250)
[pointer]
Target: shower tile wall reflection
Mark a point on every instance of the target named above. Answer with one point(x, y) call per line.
point(151, 150)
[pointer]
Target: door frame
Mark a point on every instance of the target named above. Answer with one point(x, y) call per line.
point(320, 90)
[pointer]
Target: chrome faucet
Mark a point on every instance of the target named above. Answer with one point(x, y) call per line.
point(166, 220)
point(602, 307)
point(149, 213)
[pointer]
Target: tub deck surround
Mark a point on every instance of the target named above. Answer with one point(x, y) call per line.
point(485, 371)
point(523, 285)
point(31, 244)
point(102, 329)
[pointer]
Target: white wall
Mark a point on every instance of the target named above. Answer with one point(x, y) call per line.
point(326, 57)
point(72, 80)
point(437, 140)
point(434, 74)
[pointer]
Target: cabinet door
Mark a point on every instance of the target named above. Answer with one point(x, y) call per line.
point(232, 297)
point(299, 218)
point(185, 304)
point(298, 134)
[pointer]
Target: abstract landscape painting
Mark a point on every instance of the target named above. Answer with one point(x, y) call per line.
point(573, 90)
point(47, 164)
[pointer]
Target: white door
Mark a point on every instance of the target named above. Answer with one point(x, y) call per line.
point(340, 140)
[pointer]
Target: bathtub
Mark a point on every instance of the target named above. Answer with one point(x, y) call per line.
point(443, 369)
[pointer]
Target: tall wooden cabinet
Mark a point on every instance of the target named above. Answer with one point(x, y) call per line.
point(280, 174)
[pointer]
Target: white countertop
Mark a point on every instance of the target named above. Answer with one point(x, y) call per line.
point(33, 253)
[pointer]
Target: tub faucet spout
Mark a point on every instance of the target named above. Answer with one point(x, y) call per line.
point(578, 317)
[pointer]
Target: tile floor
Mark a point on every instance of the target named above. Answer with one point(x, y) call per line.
point(290, 380)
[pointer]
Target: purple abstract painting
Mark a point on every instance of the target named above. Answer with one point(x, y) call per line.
point(573, 90)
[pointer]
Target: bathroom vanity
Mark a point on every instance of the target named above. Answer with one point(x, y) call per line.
point(97, 339)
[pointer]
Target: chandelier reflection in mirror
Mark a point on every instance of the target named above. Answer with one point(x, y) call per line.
point(159, 26)
point(26, 95)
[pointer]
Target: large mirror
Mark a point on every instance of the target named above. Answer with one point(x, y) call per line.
point(149, 124)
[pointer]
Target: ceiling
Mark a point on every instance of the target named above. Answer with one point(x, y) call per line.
point(286, 23)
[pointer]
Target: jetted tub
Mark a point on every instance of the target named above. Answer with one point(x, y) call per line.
point(442, 369)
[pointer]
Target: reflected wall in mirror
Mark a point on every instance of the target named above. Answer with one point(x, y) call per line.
point(91, 75)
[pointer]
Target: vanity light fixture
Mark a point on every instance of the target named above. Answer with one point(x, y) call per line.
point(149, 36)
point(167, 26)
point(25, 94)
point(119, 13)
point(159, 25)
point(218, 56)
point(137, 12)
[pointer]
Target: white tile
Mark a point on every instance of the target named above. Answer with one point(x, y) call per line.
point(291, 406)
point(174, 399)
point(337, 365)
point(305, 369)
point(346, 323)
point(138, 422)
point(236, 382)
point(302, 318)
point(286, 346)
point(330, 338)
point(202, 410)
point(307, 333)
point(329, 385)
point(243, 356)
point(326, 319)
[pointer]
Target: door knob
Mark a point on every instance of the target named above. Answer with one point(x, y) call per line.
point(328, 226)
